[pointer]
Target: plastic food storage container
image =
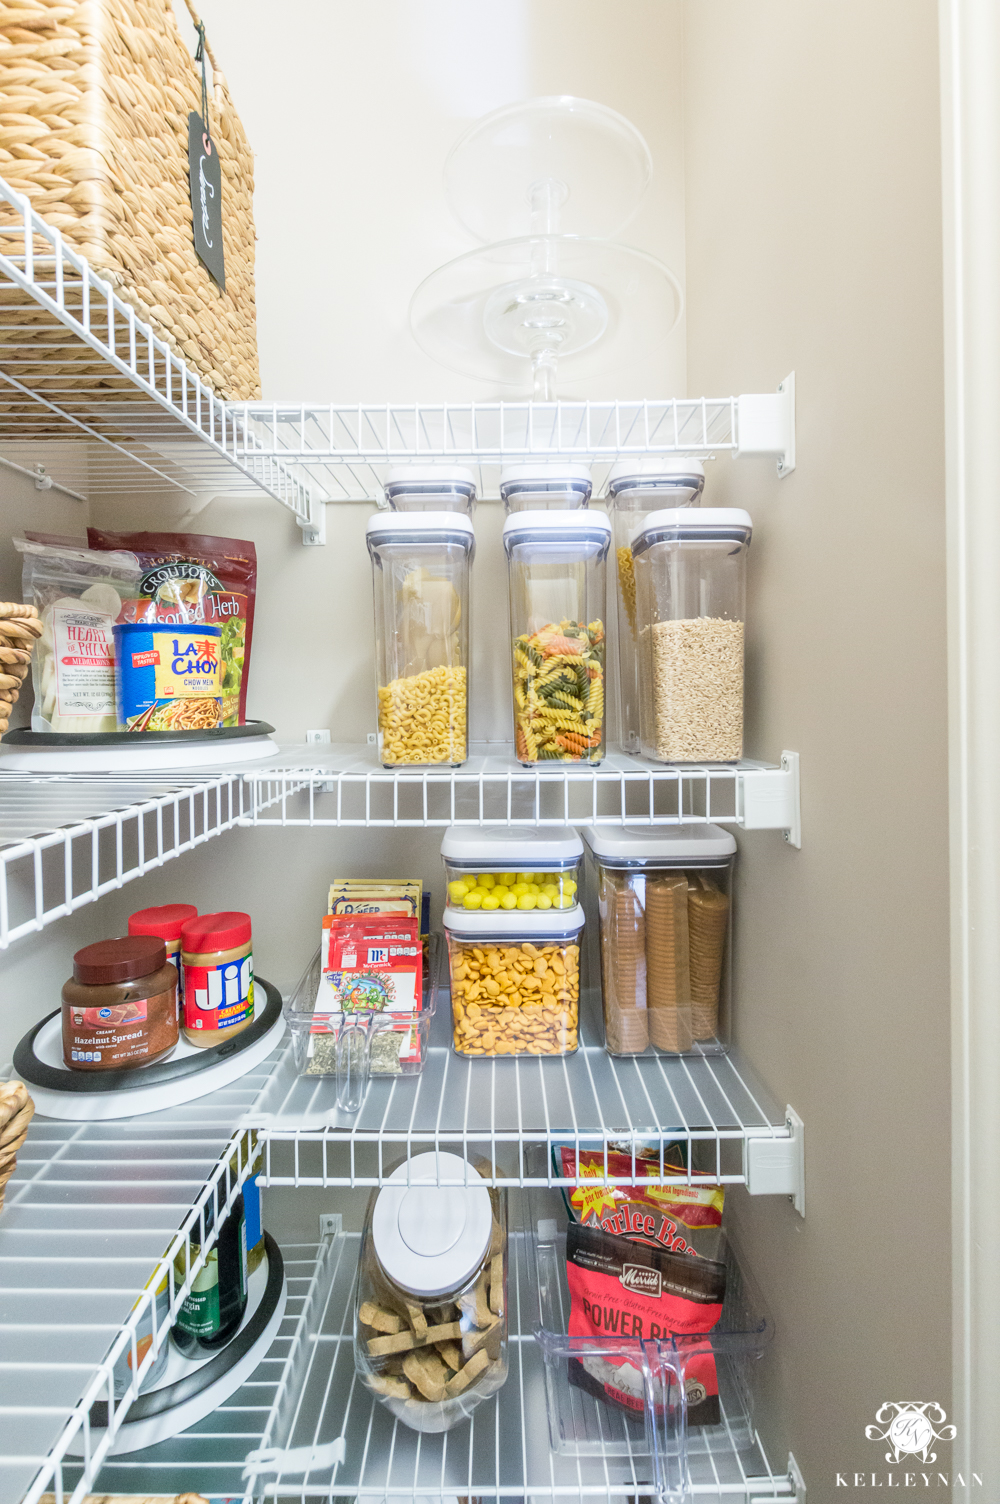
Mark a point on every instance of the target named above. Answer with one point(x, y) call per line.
point(430, 1318)
point(636, 488)
point(543, 487)
point(430, 488)
point(556, 564)
point(511, 868)
point(664, 1371)
point(515, 981)
point(421, 563)
point(385, 1044)
point(666, 919)
point(690, 578)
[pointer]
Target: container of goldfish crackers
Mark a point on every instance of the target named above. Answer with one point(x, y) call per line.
point(515, 981)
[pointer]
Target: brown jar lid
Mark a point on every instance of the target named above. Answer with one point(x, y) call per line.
point(118, 960)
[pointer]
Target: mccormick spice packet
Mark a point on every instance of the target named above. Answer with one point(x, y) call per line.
point(372, 964)
point(629, 1290)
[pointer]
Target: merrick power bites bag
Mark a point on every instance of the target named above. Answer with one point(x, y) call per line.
point(643, 1261)
point(187, 579)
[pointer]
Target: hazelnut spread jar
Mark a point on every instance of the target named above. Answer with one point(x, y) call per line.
point(217, 958)
point(119, 1008)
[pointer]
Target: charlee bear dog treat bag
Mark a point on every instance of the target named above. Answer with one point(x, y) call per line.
point(643, 1261)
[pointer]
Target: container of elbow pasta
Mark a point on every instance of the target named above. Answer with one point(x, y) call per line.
point(169, 677)
point(217, 957)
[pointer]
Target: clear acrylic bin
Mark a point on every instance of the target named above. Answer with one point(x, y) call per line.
point(581, 1425)
point(664, 898)
point(509, 867)
point(353, 1046)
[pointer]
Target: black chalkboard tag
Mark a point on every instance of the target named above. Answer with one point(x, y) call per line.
point(206, 198)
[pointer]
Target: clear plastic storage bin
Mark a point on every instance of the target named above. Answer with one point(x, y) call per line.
point(664, 897)
point(690, 579)
point(543, 487)
point(557, 587)
point(635, 489)
point(510, 868)
point(430, 488)
point(430, 1318)
point(581, 1425)
point(515, 981)
point(352, 1046)
point(421, 563)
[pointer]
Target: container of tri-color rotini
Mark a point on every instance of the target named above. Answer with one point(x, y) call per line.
point(169, 676)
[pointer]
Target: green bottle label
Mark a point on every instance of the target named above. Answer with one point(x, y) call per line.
point(199, 1315)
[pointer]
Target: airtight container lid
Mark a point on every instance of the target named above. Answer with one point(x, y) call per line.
point(109, 961)
point(414, 486)
point(537, 478)
point(431, 1238)
point(556, 527)
point(669, 472)
point(420, 527)
point(507, 925)
point(211, 932)
point(692, 525)
point(167, 921)
point(511, 847)
point(643, 846)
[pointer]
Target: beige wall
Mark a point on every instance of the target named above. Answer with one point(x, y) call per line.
point(814, 233)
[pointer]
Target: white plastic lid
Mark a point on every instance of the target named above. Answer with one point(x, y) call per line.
point(673, 472)
point(694, 523)
point(427, 481)
point(571, 527)
point(644, 845)
point(545, 475)
point(443, 527)
point(510, 847)
point(431, 1238)
point(508, 925)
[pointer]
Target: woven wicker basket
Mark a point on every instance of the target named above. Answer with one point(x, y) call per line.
point(94, 105)
point(19, 631)
point(16, 1111)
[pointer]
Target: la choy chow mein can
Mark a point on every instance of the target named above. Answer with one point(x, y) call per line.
point(169, 676)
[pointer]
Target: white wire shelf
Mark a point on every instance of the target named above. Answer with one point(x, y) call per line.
point(501, 1452)
point(95, 1215)
point(88, 389)
point(346, 448)
point(503, 1108)
point(67, 839)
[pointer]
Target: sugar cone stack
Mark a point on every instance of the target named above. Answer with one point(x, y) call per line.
point(19, 631)
point(16, 1111)
point(623, 960)
point(708, 916)
point(668, 986)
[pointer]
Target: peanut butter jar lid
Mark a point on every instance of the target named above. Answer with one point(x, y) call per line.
point(212, 932)
point(110, 961)
point(431, 1238)
point(167, 921)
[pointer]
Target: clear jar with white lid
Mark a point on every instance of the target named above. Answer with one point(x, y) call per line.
point(421, 563)
point(430, 488)
point(557, 590)
point(664, 897)
point(503, 868)
point(636, 488)
point(545, 486)
point(690, 577)
point(430, 1328)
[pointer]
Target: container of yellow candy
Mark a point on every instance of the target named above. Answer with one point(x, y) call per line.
point(511, 868)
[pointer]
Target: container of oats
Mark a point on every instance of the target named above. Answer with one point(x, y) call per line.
point(664, 896)
point(515, 981)
point(636, 488)
point(430, 1316)
point(690, 583)
point(421, 563)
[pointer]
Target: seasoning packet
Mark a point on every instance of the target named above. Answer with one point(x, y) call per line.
point(79, 594)
point(185, 579)
point(357, 895)
point(373, 964)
